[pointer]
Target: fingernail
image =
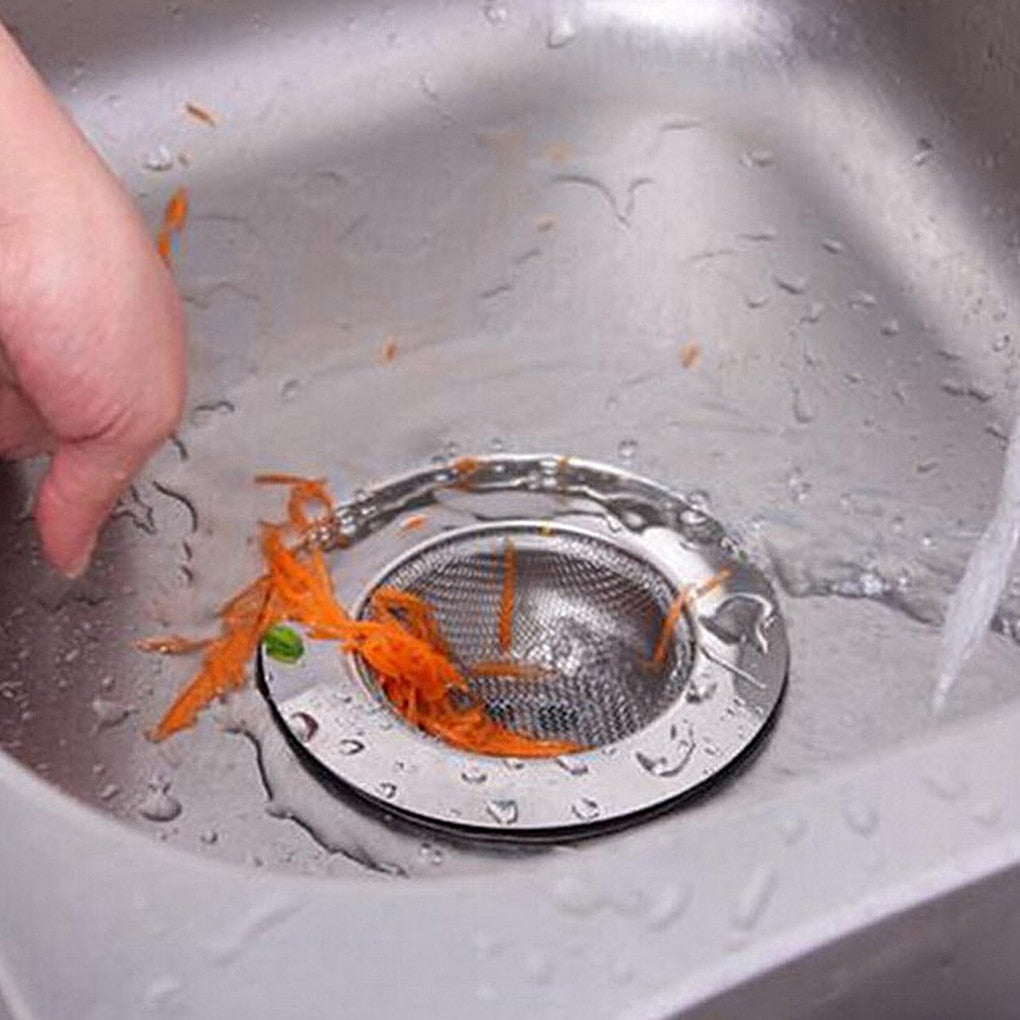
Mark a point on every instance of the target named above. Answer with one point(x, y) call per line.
point(80, 565)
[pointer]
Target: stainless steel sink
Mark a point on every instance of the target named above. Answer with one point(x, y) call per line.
point(545, 207)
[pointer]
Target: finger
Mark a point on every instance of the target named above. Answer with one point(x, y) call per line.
point(22, 431)
point(76, 495)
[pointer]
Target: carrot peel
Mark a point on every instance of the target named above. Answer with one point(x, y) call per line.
point(677, 608)
point(400, 641)
point(175, 215)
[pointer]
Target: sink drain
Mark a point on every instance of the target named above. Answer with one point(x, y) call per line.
point(600, 556)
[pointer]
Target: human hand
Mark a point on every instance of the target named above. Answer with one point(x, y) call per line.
point(91, 330)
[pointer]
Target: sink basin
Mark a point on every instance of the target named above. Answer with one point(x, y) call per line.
point(764, 253)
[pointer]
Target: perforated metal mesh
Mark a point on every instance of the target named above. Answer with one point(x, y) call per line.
point(587, 611)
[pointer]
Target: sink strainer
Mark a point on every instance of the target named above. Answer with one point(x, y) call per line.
point(587, 615)
point(600, 556)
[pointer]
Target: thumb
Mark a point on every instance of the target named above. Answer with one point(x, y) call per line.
point(76, 495)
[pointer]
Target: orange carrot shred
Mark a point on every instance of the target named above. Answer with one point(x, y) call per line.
point(275, 478)
point(414, 523)
point(676, 610)
point(401, 641)
point(389, 350)
point(175, 215)
point(506, 598)
point(465, 467)
point(690, 354)
point(504, 667)
point(172, 644)
point(176, 212)
point(200, 113)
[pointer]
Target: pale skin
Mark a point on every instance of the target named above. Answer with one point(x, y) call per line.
point(92, 343)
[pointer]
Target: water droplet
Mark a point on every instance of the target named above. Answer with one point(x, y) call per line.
point(626, 450)
point(754, 898)
point(578, 895)
point(756, 300)
point(387, 790)
point(497, 445)
point(574, 766)
point(205, 414)
point(159, 805)
point(861, 817)
point(699, 692)
point(758, 158)
point(799, 486)
point(109, 791)
point(862, 300)
point(110, 713)
point(303, 726)
point(814, 311)
point(634, 520)
point(432, 853)
point(790, 283)
point(495, 12)
point(833, 246)
point(1000, 343)
point(513, 764)
point(209, 837)
point(923, 153)
point(995, 430)
point(585, 809)
point(473, 774)
point(158, 159)
point(290, 389)
point(889, 327)
point(803, 409)
point(502, 811)
point(668, 905)
point(673, 761)
point(159, 991)
point(562, 31)
point(350, 746)
point(428, 87)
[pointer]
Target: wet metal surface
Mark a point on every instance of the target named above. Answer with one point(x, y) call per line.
point(764, 253)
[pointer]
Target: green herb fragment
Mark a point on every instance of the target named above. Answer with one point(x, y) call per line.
point(283, 644)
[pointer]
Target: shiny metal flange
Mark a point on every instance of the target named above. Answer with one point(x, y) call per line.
point(602, 554)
